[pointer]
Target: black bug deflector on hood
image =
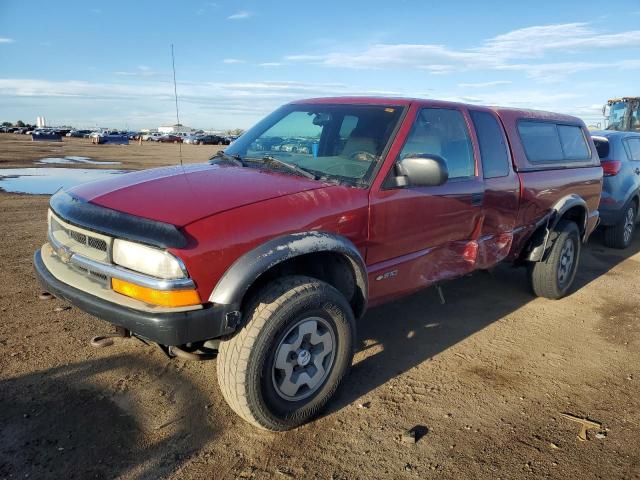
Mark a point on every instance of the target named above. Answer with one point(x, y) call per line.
point(114, 223)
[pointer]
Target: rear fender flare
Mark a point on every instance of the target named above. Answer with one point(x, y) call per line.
point(237, 280)
point(540, 239)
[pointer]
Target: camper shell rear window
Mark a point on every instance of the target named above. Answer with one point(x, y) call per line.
point(552, 142)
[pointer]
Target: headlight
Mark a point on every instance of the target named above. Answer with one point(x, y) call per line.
point(149, 260)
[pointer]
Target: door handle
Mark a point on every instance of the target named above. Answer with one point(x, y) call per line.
point(477, 198)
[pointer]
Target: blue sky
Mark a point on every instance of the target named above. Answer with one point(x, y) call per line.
point(109, 63)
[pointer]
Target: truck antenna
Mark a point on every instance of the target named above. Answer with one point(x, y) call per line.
point(175, 93)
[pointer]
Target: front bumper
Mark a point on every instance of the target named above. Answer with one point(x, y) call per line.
point(171, 328)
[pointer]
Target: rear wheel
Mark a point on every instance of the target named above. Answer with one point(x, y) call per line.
point(553, 276)
point(621, 234)
point(283, 367)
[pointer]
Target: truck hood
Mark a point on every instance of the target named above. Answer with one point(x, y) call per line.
point(182, 195)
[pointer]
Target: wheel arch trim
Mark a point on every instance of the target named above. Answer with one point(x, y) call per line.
point(236, 281)
point(540, 242)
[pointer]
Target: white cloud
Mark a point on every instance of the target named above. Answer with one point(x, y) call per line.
point(6, 40)
point(278, 91)
point(232, 60)
point(555, 72)
point(205, 7)
point(502, 52)
point(535, 41)
point(149, 102)
point(241, 15)
point(271, 64)
point(494, 83)
point(140, 71)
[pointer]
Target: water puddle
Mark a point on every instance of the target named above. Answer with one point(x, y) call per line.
point(74, 160)
point(48, 180)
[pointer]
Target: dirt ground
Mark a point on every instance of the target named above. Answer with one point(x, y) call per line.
point(20, 151)
point(485, 377)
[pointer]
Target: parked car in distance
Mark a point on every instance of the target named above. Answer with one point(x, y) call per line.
point(269, 259)
point(151, 136)
point(169, 138)
point(79, 133)
point(620, 203)
point(208, 140)
point(190, 139)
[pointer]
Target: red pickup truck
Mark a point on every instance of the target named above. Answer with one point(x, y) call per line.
point(268, 253)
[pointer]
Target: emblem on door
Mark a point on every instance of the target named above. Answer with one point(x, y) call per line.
point(387, 275)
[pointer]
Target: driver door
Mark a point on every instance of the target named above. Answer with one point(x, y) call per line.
point(421, 235)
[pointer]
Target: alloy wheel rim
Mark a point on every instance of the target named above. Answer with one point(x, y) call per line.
point(567, 255)
point(629, 224)
point(304, 358)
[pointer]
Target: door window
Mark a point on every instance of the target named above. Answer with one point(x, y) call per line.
point(442, 132)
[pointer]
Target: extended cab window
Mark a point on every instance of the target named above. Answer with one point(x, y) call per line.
point(442, 132)
point(546, 142)
point(493, 149)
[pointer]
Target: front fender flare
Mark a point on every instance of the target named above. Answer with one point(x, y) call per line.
point(233, 285)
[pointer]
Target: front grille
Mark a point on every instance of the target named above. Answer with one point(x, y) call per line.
point(78, 237)
point(79, 240)
point(96, 243)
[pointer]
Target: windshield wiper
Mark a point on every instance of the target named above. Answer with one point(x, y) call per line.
point(222, 156)
point(291, 166)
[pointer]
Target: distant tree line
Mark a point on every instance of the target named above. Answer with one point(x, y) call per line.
point(18, 124)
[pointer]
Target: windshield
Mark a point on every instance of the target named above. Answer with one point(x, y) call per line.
point(616, 115)
point(619, 118)
point(344, 142)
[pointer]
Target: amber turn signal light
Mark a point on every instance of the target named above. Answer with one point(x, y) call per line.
point(164, 298)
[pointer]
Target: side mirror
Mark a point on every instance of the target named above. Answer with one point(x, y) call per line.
point(421, 171)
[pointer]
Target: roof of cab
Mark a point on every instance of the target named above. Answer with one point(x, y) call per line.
point(512, 114)
point(357, 100)
point(507, 114)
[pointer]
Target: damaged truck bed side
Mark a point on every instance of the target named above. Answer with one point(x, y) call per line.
point(325, 207)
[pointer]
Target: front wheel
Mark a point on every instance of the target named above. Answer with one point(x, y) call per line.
point(553, 276)
point(621, 234)
point(283, 367)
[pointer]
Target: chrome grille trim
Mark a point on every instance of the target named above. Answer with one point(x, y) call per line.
point(112, 271)
point(82, 238)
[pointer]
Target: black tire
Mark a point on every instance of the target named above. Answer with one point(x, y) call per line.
point(546, 278)
point(246, 366)
point(621, 234)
